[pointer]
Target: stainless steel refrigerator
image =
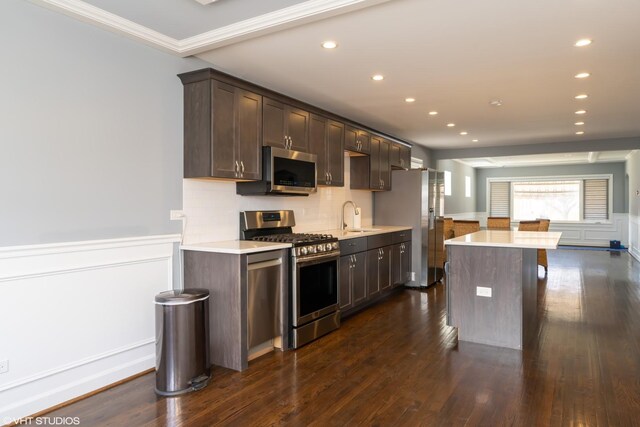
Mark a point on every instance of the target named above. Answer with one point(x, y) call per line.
point(416, 200)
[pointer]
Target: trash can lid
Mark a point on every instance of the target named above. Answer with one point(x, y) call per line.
point(179, 297)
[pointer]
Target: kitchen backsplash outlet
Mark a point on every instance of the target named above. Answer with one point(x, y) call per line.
point(212, 208)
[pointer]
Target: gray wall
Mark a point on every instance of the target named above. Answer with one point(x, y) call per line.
point(91, 131)
point(457, 203)
point(617, 169)
point(423, 153)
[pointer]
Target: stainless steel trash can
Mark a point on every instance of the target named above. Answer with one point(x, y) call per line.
point(182, 341)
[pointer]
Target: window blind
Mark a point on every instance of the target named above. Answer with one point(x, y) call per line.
point(499, 195)
point(596, 199)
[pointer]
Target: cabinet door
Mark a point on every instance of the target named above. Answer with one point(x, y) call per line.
point(384, 268)
point(335, 153)
point(223, 146)
point(385, 165)
point(318, 127)
point(405, 157)
point(345, 296)
point(373, 274)
point(297, 128)
point(359, 285)
point(273, 123)
point(395, 155)
point(350, 138)
point(364, 139)
point(375, 182)
point(248, 134)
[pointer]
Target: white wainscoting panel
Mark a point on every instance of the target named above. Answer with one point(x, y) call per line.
point(75, 317)
point(634, 236)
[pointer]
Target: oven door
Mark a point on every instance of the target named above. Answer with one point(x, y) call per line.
point(314, 288)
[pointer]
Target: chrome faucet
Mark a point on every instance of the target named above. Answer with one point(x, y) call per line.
point(344, 224)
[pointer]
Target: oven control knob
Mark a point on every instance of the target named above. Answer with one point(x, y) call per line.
point(334, 245)
point(303, 251)
point(320, 247)
point(312, 249)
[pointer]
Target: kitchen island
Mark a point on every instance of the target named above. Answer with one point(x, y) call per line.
point(492, 285)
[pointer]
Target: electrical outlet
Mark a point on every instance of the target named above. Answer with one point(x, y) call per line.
point(481, 291)
point(175, 215)
point(4, 366)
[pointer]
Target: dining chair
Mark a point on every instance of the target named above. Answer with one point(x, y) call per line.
point(542, 253)
point(462, 227)
point(447, 228)
point(498, 223)
point(529, 226)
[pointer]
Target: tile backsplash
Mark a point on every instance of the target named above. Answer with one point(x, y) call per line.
point(212, 208)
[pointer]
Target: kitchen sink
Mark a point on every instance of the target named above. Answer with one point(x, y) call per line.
point(361, 230)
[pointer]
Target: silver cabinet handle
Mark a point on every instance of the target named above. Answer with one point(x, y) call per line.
point(237, 169)
point(330, 177)
point(241, 168)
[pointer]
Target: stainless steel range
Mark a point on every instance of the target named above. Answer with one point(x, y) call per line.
point(314, 272)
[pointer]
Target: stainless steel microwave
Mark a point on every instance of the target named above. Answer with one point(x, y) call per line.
point(284, 172)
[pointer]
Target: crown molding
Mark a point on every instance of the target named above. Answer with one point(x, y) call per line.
point(302, 13)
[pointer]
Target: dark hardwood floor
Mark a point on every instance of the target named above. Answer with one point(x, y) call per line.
point(399, 364)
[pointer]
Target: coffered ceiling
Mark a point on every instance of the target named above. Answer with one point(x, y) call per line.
point(452, 56)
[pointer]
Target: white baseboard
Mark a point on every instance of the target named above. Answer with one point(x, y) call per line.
point(82, 316)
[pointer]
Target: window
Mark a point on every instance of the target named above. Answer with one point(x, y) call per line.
point(596, 199)
point(557, 198)
point(447, 183)
point(500, 195)
point(467, 186)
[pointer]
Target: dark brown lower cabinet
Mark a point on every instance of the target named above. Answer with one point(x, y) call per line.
point(378, 270)
point(401, 263)
point(353, 285)
point(368, 269)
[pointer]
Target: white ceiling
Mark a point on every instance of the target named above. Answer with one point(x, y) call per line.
point(452, 56)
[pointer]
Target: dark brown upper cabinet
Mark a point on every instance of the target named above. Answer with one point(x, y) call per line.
point(222, 131)
point(326, 140)
point(400, 156)
point(372, 172)
point(285, 126)
point(356, 140)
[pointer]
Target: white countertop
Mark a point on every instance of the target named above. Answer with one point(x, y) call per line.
point(237, 247)
point(509, 239)
point(373, 230)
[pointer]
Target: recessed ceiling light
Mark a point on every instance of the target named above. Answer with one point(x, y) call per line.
point(583, 42)
point(409, 100)
point(463, 133)
point(377, 77)
point(474, 140)
point(581, 112)
point(433, 113)
point(580, 132)
point(451, 125)
point(329, 44)
point(496, 103)
point(582, 75)
point(581, 96)
point(579, 123)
